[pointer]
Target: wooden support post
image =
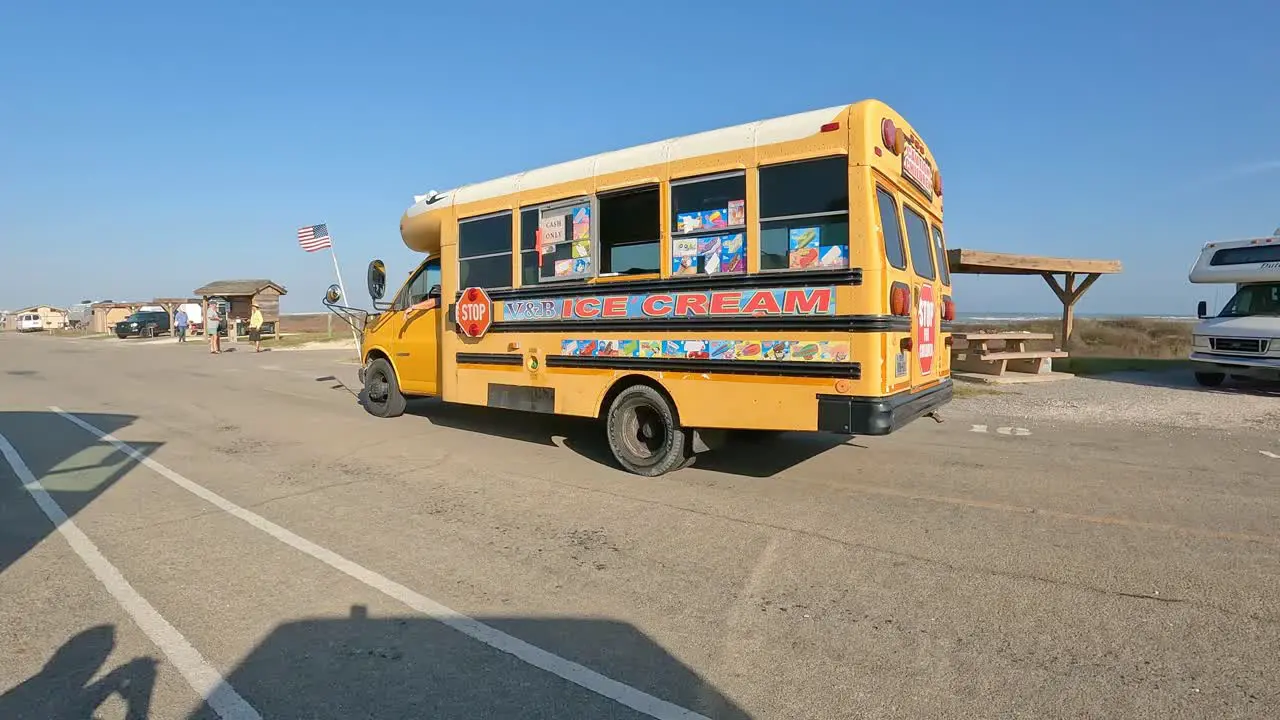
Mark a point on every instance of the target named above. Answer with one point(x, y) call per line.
point(1068, 296)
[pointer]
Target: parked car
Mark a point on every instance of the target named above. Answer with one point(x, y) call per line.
point(143, 323)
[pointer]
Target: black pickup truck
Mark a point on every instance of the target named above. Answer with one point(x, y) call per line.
point(144, 323)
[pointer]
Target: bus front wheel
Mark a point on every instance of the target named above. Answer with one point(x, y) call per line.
point(382, 397)
point(643, 432)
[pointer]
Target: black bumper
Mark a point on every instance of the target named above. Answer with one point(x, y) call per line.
point(878, 416)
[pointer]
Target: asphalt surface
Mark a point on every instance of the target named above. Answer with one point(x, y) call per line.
point(279, 553)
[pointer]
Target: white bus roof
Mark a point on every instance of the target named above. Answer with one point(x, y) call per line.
point(738, 137)
point(1247, 260)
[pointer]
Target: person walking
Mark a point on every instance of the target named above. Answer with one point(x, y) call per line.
point(255, 329)
point(180, 322)
point(212, 322)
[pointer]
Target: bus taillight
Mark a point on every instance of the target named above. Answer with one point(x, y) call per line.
point(899, 299)
point(937, 182)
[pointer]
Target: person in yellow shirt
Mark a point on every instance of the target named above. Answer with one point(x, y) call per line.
point(255, 329)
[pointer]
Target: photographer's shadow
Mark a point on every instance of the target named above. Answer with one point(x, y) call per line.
point(64, 689)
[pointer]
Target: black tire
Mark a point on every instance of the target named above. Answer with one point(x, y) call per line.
point(122, 337)
point(1207, 379)
point(644, 435)
point(381, 396)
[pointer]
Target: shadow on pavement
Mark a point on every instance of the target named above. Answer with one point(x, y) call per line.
point(50, 445)
point(62, 689)
point(415, 667)
point(746, 454)
point(1185, 380)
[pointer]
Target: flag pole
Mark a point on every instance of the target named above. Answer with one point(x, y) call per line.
point(338, 272)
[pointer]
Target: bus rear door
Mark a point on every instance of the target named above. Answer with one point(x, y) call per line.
point(926, 299)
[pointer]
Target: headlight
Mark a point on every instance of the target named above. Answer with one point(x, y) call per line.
point(1200, 340)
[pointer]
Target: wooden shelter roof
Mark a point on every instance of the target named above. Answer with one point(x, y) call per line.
point(994, 263)
point(237, 287)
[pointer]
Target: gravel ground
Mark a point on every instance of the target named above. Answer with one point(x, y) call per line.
point(1141, 399)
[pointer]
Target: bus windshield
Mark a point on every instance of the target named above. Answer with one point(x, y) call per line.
point(1252, 300)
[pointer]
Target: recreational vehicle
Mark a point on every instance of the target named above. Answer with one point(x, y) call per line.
point(1243, 339)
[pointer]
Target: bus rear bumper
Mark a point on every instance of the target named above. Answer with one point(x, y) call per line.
point(879, 416)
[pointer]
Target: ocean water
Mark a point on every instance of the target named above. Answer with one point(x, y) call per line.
point(1023, 317)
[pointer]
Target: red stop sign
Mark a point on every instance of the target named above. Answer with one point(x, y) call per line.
point(927, 328)
point(475, 312)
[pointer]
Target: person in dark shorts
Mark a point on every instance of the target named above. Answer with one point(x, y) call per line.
point(212, 322)
point(255, 329)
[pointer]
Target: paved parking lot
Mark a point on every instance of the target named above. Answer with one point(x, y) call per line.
point(191, 536)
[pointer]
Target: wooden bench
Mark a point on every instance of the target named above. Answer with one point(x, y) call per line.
point(972, 353)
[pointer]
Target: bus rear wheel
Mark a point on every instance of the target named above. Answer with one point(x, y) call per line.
point(382, 397)
point(643, 432)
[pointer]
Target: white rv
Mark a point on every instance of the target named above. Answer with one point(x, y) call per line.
point(1243, 339)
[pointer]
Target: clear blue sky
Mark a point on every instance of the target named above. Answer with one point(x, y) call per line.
point(149, 147)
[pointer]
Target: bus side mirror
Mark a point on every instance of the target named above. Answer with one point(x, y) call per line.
point(333, 295)
point(1202, 310)
point(377, 278)
point(434, 292)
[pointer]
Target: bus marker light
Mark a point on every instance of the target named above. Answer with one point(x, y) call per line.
point(842, 386)
point(830, 127)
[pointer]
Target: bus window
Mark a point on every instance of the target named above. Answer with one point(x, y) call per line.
point(568, 229)
point(529, 246)
point(484, 251)
point(891, 229)
point(804, 214)
point(921, 248)
point(940, 250)
point(417, 289)
point(631, 231)
point(708, 224)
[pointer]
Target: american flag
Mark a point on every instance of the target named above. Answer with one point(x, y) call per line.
point(314, 237)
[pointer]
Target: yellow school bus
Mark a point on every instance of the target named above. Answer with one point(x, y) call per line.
point(787, 274)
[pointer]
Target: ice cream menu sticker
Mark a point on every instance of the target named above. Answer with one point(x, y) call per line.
point(807, 250)
point(737, 212)
point(582, 223)
point(805, 246)
point(684, 256)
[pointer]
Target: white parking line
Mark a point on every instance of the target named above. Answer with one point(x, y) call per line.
point(621, 693)
point(1020, 432)
point(199, 674)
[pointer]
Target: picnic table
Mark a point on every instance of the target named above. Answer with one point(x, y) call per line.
point(972, 352)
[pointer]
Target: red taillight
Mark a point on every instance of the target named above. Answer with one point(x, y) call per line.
point(948, 309)
point(899, 299)
point(830, 127)
point(893, 137)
